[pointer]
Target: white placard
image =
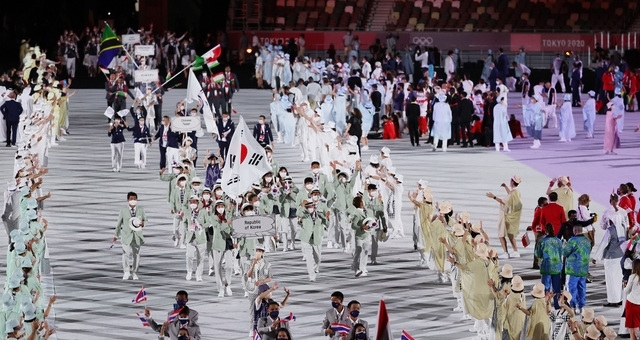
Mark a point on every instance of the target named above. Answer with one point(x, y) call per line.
point(145, 50)
point(185, 124)
point(131, 38)
point(254, 226)
point(146, 76)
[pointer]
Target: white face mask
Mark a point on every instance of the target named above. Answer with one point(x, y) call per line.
point(283, 174)
point(249, 213)
point(373, 193)
point(315, 171)
point(195, 187)
point(181, 184)
point(257, 204)
point(268, 179)
point(225, 119)
point(193, 206)
point(315, 198)
point(138, 111)
point(133, 203)
point(261, 121)
point(309, 186)
point(343, 180)
point(220, 210)
point(310, 210)
point(206, 197)
point(218, 192)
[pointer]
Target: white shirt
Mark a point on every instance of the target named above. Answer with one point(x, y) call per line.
point(633, 290)
point(584, 215)
point(423, 59)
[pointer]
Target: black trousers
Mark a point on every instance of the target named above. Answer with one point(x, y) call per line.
point(158, 118)
point(455, 133)
point(163, 156)
point(224, 148)
point(575, 95)
point(12, 132)
point(465, 128)
point(218, 105)
point(414, 134)
point(376, 121)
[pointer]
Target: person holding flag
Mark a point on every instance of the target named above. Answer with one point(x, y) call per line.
point(131, 220)
point(358, 326)
point(230, 85)
point(109, 47)
point(269, 326)
point(224, 134)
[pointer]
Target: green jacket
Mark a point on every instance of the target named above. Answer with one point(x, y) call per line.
point(198, 229)
point(221, 231)
point(357, 217)
point(342, 193)
point(175, 203)
point(123, 232)
point(375, 209)
point(311, 228)
point(171, 178)
point(288, 201)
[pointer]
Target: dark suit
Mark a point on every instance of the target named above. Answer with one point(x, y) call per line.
point(354, 81)
point(263, 137)
point(11, 111)
point(231, 86)
point(465, 109)
point(227, 128)
point(172, 142)
point(492, 79)
point(216, 98)
point(413, 116)
point(575, 87)
point(376, 100)
point(141, 135)
point(503, 66)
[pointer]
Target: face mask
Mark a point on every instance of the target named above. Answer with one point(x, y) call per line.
point(335, 304)
point(181, 303)
point(220, 210)
point(261, 121)
point(283, 174)
point(361, 335)
point(206, 197)
point(249, 213)
point(195, 187)
point(183, 320)
point(138, 111)
point(354, 313)
point(274, 314)
point(373, 193)
point(269, 155)
point(310, 210)
point(133, 203)
point(268, 179)
point(219, 192)
point(343, 180)
point(309, 186)
point(282, 339)
point(225, 119)
point(183, 337)
point(315, 171)
point(315, 198)
point(193, 206)
point(181, 183)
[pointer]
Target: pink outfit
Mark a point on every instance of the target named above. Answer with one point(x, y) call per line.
point(611, 138)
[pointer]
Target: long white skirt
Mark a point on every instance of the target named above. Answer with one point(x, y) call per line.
point(613, 278)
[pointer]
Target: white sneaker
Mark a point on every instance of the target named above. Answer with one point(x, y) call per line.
point(329, 245)
point(126, 276)
point(228, 290)
point(246, 294)
point(135, 277)
point(198, 278)
point(364, 274)
point(347, 248)
point(183, 246)
point(504, 256)
point(221, 294)
point(562, 140)
point(359, 273)
point(211, 272)
point(365, 148)
point(189, 277)
point(285, 249)
point(62, 139)
point(515, 254)
point(175, 242)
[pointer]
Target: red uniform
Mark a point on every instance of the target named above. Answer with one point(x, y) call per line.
point(627, 203)
point(389, 130)
point(551, 213)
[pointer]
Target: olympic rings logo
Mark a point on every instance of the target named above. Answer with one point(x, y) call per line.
point(422, 41)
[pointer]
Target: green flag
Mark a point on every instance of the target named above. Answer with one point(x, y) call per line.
point(199, 63)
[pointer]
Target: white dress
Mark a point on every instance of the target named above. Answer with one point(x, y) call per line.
point(441, 121)
point(567, 125)
point(501, 132)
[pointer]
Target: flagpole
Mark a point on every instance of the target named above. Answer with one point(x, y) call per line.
point(175, 75)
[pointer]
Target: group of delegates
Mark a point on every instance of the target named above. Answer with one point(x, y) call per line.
point(32, 120)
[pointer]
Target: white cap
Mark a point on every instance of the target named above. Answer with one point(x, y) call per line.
point(373, 159)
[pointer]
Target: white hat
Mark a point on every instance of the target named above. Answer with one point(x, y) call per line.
point(501, 98)
point(259, 246)
point(538, 291)
point(423, 183)
point(482, 250)
point(194, 198)
point(181, 177)
point(465, 217)
point(617, 91)
point(26, 263)
point(588, 315)
point(134, 224)
point(601, 319)
point(591, 94)
point(11, 324)
point(196, 179)
point(445, 207)
point(567, 96)
point(517, 285)
point(516, 179)
point(373, 159)
point(458, 229)
point(29, 310)
point(378, 64)
point(563, 179)
point(385, 151)
point(507, 272)
point(19, 247)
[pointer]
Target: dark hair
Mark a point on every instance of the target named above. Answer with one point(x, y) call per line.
point(636, 267)
point(183, 292)
point(315, 163)
point(553, 196)
point(184, 310)
point(572, 212)
point(351, 303)
point(357, 113)
point(338, 295)
point(262, 116)
point(549, 229)
point(357, 201)
point(284, 330)
point(131, 194)
point(308, 180)
point(541, 200)
point(272, 302)
point(372, 187)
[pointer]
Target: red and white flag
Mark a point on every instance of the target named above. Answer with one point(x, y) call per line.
point(384, 327)
point(246, 162)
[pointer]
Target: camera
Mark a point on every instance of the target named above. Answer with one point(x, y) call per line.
point(593, 214)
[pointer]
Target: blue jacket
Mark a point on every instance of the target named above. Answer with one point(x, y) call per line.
point(11, 111)
point(172, 137)
point(141, 135)
point(117, 135)
point(267, 137)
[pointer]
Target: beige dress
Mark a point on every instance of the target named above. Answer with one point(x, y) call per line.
point(510, 213)
point(438, 230)
point(539, 323)
point(477, 296)
point(500, 312)
point(565, 198)
point(514, 319)
point(425, 213)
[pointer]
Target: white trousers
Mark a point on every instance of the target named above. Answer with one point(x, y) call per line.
point(613, 278)
point(130, 258)
point(313, 257)
point(287, 231)
point(71, 67)
point(195, 252)
point(551, 118)
point(555, 78)
point(218, 258)
point(140, 158)
point(341, 231)
point(173, 156)
point(360, 257)
point(444, 143)
point(178, 229)
point(117, 152)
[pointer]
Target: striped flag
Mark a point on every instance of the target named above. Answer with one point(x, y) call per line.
point(210, 59)
point(104, 70)
point(173, 315)
point(109, 47)
point(341, 328)
point(406, 336)
point(141, 296)
point(256, 336)
point(289, 318)
point(145, 322)
point(218, 77)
